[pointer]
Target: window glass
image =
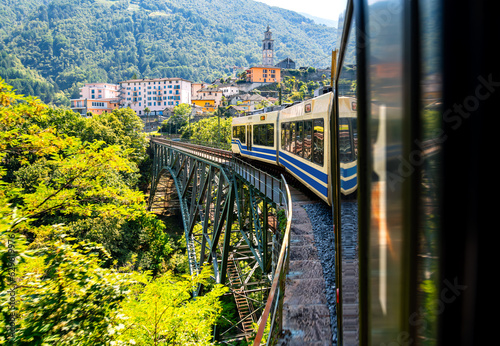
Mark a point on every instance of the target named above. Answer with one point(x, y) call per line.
point(283, 136)
point(307, 138)
point(318, 141)
point(299, 138)
point(292, 138)
point(287, 134)
point(256, 135)
point(270, 135)
point(242, 134)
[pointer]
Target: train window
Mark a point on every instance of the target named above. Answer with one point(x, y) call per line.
point(318, 141)
point(345, 140)
point(239, 132)
point(283, 136)
point(256, 134)
point(292, 138)
point(299, 138)
point(307, 137)
point(270, 135)
point(263, 135)
point(287, 137)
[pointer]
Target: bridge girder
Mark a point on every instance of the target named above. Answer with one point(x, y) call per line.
point(229, 224)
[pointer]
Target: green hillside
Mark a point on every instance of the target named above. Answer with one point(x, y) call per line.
point(65, 43)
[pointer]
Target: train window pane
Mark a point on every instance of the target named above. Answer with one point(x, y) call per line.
point(242, 134)
point(283, 137)
point(428, 260)
point(270, 135)
point(292, 137)
point(307, 138)
point(287, 136)
point(256, 135)
point(235, 131)
point(299, 138)
point(318, 141)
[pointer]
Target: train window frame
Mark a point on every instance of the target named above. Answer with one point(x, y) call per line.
point(239, 133)
point(322, 141)
point(261, 135)
point(308, 148)
point(290, 137)
point(299, 139)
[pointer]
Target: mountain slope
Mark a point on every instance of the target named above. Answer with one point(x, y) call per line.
point(69, 42)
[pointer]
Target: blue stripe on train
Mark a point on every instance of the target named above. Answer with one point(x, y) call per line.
point(284, 159)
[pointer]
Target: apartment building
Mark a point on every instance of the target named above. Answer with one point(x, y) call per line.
point(155, 94)
point(95, 91)
point(264, 74)
point(94, 106)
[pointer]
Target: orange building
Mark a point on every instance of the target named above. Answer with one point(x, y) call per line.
point(206, 105)
point(94, 106)
point(264, 74)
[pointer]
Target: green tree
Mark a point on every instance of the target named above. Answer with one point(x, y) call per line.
point(162, 312)
point(75, 237)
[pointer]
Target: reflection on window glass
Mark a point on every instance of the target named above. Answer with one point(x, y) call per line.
point(239, 133)
point(270, 135)
point(318, 141)
point(292, 138)
point(299, 136)
point(287, 136)
point(263, 135)
point(428, 260)
point(307, 139)
point(242, 134)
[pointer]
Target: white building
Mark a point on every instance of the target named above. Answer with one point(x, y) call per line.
point(94, 91)
point(155, 94)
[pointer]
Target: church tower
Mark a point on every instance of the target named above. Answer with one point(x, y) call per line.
point(268, 49)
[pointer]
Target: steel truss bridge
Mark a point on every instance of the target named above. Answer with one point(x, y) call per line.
point(236, 220)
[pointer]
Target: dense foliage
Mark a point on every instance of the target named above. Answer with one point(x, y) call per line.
point(81, 257)
point(70, 42)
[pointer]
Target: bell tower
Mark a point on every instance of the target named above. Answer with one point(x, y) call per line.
point(268, 48)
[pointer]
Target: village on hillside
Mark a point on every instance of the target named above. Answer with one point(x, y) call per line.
point(248, 91)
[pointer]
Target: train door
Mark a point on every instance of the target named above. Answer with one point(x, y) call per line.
point(249, 137)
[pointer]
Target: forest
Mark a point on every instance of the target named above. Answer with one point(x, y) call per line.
point(83, 262)
point(51, 47)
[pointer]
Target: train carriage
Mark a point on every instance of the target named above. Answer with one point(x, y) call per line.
point(254, 137)
point(304, 143)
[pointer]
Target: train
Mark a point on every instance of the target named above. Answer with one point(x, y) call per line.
point(297, 139)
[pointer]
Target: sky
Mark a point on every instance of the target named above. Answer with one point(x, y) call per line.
point(327, 9)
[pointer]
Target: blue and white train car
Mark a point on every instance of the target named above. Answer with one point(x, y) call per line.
point(298, 139)
point(304, 145)
point(254, 136)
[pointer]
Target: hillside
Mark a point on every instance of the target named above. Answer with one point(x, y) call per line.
point(69, 42)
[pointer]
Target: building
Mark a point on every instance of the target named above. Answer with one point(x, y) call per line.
point(94, 106)
point(204, 105)
point(96, 98)
point(287, 63)
point(154, 94)
point(209, 98)
point(248, 102)
point(100, 91)
point(264, 74)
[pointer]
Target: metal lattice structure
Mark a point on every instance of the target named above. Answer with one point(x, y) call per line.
point(231, 214)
